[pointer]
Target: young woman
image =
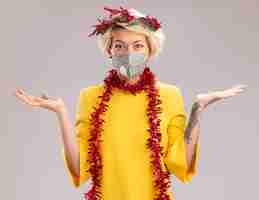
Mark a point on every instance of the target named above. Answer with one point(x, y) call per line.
point(130, 131)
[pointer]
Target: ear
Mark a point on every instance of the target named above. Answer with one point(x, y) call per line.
point(149, 47)
point(109, 48)
point(149, 53)
point(109, 52)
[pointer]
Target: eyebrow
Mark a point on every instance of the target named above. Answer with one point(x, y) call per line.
point(124, 42)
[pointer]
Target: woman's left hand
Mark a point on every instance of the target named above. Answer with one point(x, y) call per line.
point(206, 99)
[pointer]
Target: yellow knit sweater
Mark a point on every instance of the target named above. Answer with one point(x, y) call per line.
point(127, 172)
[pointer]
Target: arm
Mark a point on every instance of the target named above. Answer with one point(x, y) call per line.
point(71, 148)
point(75, 150)
point(192, 132)
point(176, 154)
point(184, 145)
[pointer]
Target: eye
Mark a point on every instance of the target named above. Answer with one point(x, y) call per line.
point(139, 46)
point(118, 46)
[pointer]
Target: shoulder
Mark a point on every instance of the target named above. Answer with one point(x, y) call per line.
point(172, 98)
point(88, 96)
point(169, 89)
point(91, 90)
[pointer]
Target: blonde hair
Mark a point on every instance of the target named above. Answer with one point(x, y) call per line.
point(155, 38)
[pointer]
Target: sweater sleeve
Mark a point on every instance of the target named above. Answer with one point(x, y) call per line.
point(175, 158)
point(81, 131)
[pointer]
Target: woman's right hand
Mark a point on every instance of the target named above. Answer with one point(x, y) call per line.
point(52, 104)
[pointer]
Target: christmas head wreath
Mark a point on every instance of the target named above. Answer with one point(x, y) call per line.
point(132, 20)
point(146, 82)
point(124, 16)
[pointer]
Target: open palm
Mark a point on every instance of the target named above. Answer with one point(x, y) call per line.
point(206, 99)
point(52, 104)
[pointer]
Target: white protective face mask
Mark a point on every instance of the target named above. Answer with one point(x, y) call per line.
point(130, 65)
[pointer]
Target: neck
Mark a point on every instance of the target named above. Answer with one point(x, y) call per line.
point(131, 81)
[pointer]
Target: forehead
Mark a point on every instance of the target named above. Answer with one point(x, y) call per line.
point(127, 36)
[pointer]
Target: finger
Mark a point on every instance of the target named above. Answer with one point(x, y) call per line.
point(236, 88)
point(238, 91)
point(22, 97)
point(20, 91)
point(231, 94)
point(28, 102)
point(234, 92)
point(214, 100)
point(28, 99)
point(240, 86)
point(39, 99)
point(44, 96)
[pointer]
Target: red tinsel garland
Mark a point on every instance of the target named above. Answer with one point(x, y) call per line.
point(147, 83)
